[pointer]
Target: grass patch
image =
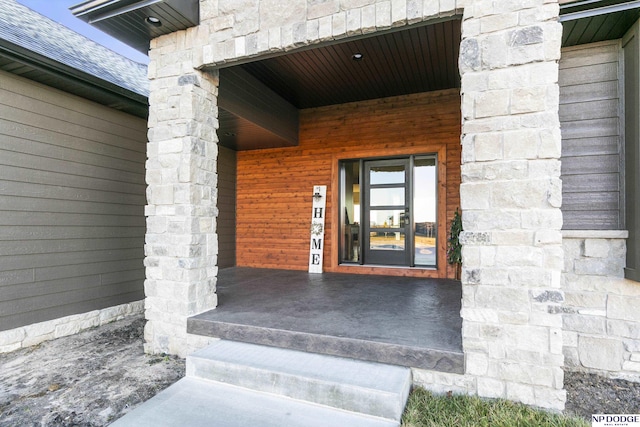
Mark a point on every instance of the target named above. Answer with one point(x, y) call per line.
point(425, 409)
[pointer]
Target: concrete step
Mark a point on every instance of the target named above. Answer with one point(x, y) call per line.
point(431, 358)
point(195, 402)
point(367, 388)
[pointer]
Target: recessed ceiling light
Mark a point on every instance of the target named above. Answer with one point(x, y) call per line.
point(152, 20)
point(357, 56)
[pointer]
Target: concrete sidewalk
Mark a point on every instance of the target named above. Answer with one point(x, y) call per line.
point(231, 384)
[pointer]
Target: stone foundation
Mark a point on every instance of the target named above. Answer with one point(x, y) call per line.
point(442, 382)
point(601, 314)
point(36, 333)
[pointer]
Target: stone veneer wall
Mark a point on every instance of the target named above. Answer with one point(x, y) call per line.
point(601, 312)
point(181, 241)
point(510, 198)
point(36, 333)
point(510, 194)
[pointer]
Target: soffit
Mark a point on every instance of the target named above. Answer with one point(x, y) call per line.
point(590, 21)
point(417, 59)
point(413, 60)
point(127, 21)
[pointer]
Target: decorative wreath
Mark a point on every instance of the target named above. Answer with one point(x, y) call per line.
point(317, 229)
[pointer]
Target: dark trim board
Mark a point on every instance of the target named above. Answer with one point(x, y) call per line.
point(226, 225)
point(253, 116)
point(631, 46)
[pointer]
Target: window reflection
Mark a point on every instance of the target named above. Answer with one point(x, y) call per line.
point(386, 175)
point(386, 241)
point(424, 208)
point(350, 237)
point(387, 196)
point(386, 218)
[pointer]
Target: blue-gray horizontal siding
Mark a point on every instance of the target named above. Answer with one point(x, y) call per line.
point(590, 111)
point(72, 196)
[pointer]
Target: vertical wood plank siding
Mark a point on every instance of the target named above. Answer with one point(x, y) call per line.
point(274, 186)
point(72, 196)
point(226, 207)
point(591, 136)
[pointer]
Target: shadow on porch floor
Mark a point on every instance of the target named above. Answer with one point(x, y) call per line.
point(405, 321)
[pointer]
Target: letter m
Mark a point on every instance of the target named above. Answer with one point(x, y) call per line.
point(316, 243)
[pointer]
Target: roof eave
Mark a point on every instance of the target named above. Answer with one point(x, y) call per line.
point(72, 75)
point(590, 8)
point(127, 20)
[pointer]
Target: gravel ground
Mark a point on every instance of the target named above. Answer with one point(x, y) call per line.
point(97, 376)
point(589, 394)
point(84, 380)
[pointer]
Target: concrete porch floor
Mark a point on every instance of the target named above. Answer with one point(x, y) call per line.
point(405, 321)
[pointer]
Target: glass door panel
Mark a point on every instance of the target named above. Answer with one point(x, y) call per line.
point(386, 196)
point(379, 175)
point(387, 241)
point(350, 241)
point(425, 180)
point(386, 210)
point(386, 218)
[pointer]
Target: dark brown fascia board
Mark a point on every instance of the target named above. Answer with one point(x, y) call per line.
point(94, 6)
point(245, 96)
point(98, 10)
point(105, 15)
point(590, 8)
point(42, 63)
point(94, 11)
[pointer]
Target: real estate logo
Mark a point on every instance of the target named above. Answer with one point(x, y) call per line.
point(615, 420)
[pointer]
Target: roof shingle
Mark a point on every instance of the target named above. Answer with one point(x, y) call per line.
point(28, 29)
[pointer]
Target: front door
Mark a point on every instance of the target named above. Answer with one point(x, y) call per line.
point(386, 203)
point(389, 211)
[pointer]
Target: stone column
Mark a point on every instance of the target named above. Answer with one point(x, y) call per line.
point(510, 198)
point(181, 241)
